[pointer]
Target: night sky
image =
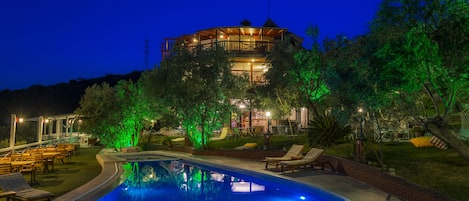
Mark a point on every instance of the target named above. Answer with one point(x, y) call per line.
point(51, 41)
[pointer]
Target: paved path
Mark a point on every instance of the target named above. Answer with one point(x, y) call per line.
point(327, 180)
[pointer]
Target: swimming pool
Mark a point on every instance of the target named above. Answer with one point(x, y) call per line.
point(186, 180)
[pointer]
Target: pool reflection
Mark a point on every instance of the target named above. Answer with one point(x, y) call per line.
point(180, 180)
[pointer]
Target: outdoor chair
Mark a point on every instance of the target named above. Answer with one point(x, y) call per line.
point(247, 146)
point(29, 168)
point(16, 156)
point(309, 159)
point(64, 154)
point(5, 168)
point(292, 154)
point(16, 183)
point(223, 134)
point(5, 159)
point(40, 163)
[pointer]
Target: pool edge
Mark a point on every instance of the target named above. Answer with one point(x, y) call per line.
point(110, 162)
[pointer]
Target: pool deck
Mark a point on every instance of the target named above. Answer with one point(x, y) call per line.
point(325, 179)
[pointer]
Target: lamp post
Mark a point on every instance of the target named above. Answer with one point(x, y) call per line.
point(361, 137)
point(12, 130)
point(47, 128)
point(267, 135)
point(241, 109)
point(268, 122)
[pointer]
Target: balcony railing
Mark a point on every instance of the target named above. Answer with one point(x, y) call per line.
point(241, 47)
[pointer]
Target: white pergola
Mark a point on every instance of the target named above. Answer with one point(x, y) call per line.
point(64, 120)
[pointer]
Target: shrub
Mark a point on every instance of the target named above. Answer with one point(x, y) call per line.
point(325, 129)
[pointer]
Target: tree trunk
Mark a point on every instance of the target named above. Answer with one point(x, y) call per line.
point(451, 138)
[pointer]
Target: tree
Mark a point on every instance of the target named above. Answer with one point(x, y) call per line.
point(114, 114)
point(307, 73)
point(280, 95)
point(423, 52)
point(197, 85)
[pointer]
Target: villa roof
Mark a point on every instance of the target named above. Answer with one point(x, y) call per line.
point(239, 30)
point(269, 23)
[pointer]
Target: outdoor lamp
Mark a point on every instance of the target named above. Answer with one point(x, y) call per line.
point(268, 122)
point(361, 119)
point(361, 137)
point(267, 135)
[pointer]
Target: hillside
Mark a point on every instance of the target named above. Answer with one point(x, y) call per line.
point(60, 98)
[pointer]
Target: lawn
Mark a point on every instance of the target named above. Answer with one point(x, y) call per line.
point(82, 168)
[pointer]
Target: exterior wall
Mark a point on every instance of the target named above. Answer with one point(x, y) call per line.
point(248, 47)
point(397, 186)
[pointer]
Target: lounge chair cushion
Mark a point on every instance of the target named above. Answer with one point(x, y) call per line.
point(247, 146)
point(309, 158)
point(294, 151)
point(16, 182)
point(33, 194)
point(421, 141)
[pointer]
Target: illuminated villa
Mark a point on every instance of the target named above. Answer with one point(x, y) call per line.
point(248, 47)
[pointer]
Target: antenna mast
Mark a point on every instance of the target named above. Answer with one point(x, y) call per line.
point(268, 9)
point(146, 53)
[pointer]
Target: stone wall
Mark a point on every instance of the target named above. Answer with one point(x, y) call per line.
point(394, 185)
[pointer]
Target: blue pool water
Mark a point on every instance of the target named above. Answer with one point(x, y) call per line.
point(183, 180)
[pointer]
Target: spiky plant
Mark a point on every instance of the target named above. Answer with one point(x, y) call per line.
point(325, 129)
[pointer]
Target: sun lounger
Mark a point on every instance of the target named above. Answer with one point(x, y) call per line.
point(247, 146)
point(223, 134)
point(292, 154)
point(179, 139)
point(308, 159)
point(15, 182)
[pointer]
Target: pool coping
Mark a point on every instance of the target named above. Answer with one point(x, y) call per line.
point(111, 171)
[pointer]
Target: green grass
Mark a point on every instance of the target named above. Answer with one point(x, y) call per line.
point(66, 177)
point(444, 171)
point(432, 167)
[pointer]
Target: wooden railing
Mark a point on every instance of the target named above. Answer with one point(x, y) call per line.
point(51, 140)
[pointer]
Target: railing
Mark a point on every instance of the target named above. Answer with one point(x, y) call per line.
point(248, 47)
point(50, 140)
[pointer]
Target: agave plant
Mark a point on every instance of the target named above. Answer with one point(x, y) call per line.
point(325, 129)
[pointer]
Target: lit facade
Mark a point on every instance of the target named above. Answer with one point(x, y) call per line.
point(248, 47)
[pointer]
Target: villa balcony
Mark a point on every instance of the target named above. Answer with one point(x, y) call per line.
point(246, 48)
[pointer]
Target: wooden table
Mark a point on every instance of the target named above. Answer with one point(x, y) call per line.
point(21, 163)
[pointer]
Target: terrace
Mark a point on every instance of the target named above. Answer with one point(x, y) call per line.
point(354, 180)
point(66, 179)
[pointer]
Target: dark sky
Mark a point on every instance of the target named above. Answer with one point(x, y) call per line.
point(51, 41)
